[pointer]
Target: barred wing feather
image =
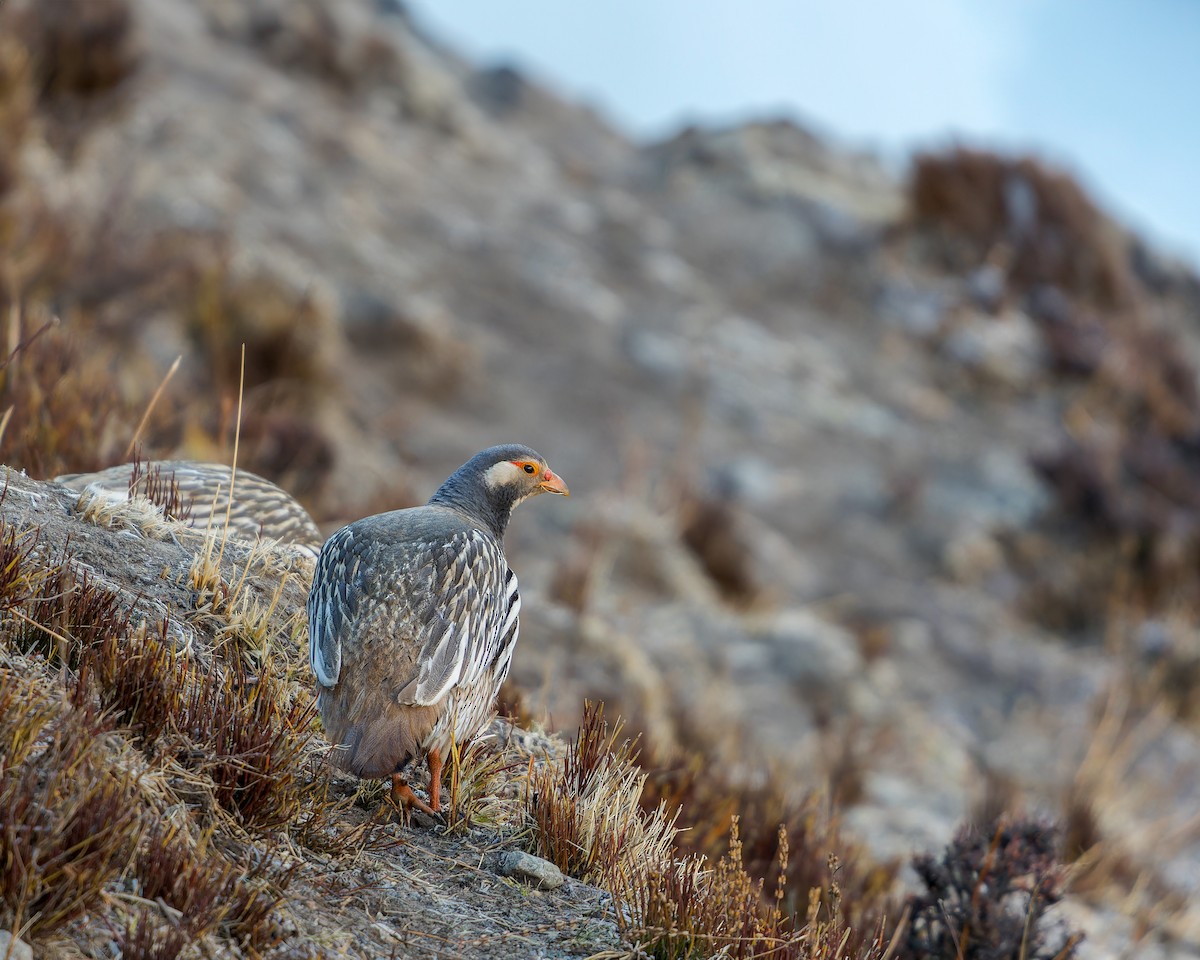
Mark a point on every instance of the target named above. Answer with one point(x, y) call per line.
point(467, 614)
point(452, 605)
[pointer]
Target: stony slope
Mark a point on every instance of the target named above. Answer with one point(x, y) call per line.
point(802, 425)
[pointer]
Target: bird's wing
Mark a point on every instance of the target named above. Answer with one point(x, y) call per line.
point(446, 605)
point(463, 620)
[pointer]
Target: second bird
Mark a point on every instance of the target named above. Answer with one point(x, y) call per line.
point(412, 620)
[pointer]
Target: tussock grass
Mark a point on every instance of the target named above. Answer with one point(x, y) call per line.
point(138, 513)
point(140, 681)
point(147, 479)
point(70, 614)
point(89, 820)
point(479, 777)
point(584, 811)
point(148, 935)
point(194, 881)
point(696, 782)
point(250, 744)
point(692, 909)
point(67, 413)
point(673, 901)
point(20, 575)
point(70, 826)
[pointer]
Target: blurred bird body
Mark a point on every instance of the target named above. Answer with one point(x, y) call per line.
point(260, 508)
point(413, 617)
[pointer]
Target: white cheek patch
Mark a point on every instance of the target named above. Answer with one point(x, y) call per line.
point(501, 474)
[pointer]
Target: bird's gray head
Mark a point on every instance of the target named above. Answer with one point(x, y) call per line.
point(492, 482)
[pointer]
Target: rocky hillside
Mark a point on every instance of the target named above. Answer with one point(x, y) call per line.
point(883, 487)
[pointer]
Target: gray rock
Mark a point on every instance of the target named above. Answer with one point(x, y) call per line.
point(915, 310)
point(1007, 349)
point(812, 652)
point(529, 869)
point(985, 286)
point(13, 948)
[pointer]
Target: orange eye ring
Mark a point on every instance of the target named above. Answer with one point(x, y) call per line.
point(529, 468)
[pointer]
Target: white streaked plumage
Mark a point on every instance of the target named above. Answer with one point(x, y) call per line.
point(413, 617)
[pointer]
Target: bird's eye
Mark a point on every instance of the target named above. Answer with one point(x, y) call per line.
point(529, 468)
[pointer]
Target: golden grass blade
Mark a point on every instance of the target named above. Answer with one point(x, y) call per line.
point(149, 407)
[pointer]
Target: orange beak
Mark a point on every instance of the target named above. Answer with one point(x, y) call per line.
point(553, 483)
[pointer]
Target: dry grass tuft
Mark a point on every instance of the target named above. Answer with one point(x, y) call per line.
point(66, 614)
point(67, 413)
point(699, 892)
point(70, 825)
point(1036, 220)
point(140, 680)
point(585, 813)
point(688, 910)
point(138, 514)
point(194, 881)
point(709, 803)
point(146, 479)
point(250, 742)
point(20, 575)
point(149, 935)
point(478, 795)
point(244, 624)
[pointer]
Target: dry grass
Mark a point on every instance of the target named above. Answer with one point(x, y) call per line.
point(70, 825)
point(67, 414)
point(1038, 222)
point(137, 514)
point(585, 817)
point(139, 680)
point(217, 746)
point(585, 813)
point(686, 909)
point(147, 479)
point(480, 777)
point(250, 743)
point(696, 781)
point(48, 606)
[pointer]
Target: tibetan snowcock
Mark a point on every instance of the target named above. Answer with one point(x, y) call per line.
point(413, 617)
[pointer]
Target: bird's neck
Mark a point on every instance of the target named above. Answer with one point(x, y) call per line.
point(491, 513)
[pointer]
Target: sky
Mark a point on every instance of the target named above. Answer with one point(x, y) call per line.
point(1108, 89)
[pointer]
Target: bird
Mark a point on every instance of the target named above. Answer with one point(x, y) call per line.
point(200, 493)
point(412, 618)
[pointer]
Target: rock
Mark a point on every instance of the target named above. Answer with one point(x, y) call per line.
point(972, 556)
point(985, 286)
point(1007, 349)
point(915, 310)
point(14, 948)
point(529, 869)
point(499, 90)
point(819, 657)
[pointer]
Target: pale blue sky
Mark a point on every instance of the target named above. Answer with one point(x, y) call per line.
point(1107, 88)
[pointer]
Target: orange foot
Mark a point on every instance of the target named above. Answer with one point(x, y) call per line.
point(403, 796)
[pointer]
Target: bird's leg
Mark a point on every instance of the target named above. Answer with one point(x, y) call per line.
point(403, 796)
point(435, 778)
